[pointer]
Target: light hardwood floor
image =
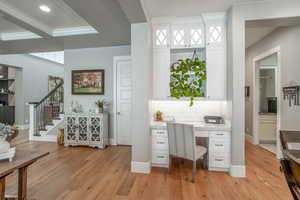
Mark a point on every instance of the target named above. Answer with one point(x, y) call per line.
point(81, 173)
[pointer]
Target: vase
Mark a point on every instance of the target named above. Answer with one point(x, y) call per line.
point(4, 146)
point(100, 110)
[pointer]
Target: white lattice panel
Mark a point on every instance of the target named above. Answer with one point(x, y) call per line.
point(161, 36)
point(196, 37)
point(178, 37)
point(215, 34)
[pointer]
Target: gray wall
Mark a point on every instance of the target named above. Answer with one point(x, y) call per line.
point(92, 58)
point(236, 62)
point(142, 68)
point(31, 81)
point(286, 38)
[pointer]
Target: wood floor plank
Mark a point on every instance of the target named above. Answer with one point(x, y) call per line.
point(77, 173)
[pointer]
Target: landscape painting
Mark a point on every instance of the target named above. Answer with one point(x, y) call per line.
point(88, 82)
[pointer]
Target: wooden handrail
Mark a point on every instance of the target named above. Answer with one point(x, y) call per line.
point(50, 93)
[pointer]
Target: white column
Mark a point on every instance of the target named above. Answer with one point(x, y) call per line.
point(32, 120)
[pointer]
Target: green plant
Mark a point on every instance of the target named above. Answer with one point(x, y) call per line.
point(100, 104)
point(187, 79)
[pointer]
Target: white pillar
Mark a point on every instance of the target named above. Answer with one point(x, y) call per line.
point(32, 120)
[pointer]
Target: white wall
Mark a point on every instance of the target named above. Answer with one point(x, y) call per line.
point(31, 82)
point(92, 58)
point(181, 110)
point(286, 38)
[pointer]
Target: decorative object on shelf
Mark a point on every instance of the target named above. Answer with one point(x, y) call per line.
point(76, 107)
point(247, 91)
point(188, 78)
point(86, 129)
point(291, 93)
point(7, 134)
point(158, 116)
point(100, 104)
point(88, 82)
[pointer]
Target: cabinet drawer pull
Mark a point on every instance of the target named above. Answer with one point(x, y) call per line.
point(161, 143)
point(219, 159)
point(160, 156)
point(219, 145)
point(220, 134)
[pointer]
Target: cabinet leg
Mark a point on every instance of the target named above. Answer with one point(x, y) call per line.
point(22, 184)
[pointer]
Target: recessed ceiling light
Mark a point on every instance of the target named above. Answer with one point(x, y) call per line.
point(45, 8)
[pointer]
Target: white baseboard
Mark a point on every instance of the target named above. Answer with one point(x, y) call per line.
point(238, 171)
point(249, 138)
point(141, 167)
point(23, 126)
point(45, 138)
point(112, 141)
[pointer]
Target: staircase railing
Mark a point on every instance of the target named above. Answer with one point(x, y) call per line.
point(43, 113)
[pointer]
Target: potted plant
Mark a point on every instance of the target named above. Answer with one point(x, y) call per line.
point(187, 78)
point(100, 104)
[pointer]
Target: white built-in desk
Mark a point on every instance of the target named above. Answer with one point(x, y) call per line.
point(219, 149)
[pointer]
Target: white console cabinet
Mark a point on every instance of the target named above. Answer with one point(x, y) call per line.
point(86, 130)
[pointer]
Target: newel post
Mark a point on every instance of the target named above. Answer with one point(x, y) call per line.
point(32, 120)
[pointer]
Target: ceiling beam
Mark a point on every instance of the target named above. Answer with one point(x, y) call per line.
point(19, 18)
point(133, 10)
point(106, 16)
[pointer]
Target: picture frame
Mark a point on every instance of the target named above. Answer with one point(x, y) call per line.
point(88, 82)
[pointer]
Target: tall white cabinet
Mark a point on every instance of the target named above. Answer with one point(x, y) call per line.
point(207, 31)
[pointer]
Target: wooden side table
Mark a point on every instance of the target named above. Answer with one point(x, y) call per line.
point(21, 162)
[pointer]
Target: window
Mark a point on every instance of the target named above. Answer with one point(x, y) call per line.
point(55, 56)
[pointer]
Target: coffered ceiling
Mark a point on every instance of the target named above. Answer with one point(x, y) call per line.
point(24, 27)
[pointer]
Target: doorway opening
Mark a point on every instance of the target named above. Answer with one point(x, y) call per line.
point(266, 115)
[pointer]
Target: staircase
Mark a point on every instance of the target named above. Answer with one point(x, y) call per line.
point(47, 115)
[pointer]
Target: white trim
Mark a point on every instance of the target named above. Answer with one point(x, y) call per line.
point(112, 141)
point(18, 36)
point(238, 171)
point(23, 126)
point(249, 138)
point(255, 109)
point(140, 167)
point(115, 79)
point(83, 30)
point(45, 138)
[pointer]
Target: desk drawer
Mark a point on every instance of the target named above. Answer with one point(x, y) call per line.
point(219, 161)
point(159, 143)
point(160, 157)
point(220, 134)
point(219, 145)
point(160, 133)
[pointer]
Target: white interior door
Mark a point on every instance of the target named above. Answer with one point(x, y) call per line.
point(124, 100)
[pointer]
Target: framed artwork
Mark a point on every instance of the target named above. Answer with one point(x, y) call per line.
point(88, 82)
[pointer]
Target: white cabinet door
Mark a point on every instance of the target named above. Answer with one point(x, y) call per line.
point(195, 36)
point(216, 35)
point(161, 36)
point(179, 36)
point(216, 74)
point(161, 73)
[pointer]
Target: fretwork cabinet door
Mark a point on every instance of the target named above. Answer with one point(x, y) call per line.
point(96, 131)
point(83, 130)
point(71, 131)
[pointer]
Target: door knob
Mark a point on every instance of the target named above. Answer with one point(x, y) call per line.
point(118, 113)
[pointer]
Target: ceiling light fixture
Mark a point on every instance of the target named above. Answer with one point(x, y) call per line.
point(45, 8)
